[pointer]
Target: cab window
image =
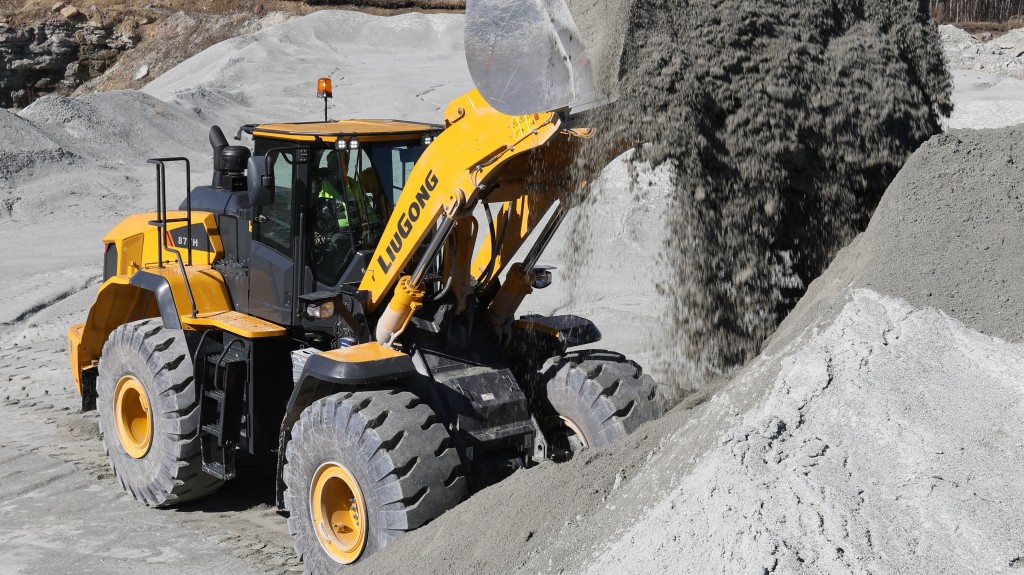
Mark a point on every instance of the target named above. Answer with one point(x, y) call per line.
point(348, 214)
point(394, 163)
point(275, 222)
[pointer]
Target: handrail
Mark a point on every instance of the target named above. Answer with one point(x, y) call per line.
point(162, 220)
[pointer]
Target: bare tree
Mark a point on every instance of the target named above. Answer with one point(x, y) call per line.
point(976, 10)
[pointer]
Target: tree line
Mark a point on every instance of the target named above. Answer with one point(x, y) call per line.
point(976, 10)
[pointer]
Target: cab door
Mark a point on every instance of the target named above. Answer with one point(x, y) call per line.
point(273, 283)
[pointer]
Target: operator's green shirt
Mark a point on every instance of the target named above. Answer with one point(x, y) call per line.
point(327, 190)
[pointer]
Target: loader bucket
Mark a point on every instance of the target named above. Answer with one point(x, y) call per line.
point(531, 56)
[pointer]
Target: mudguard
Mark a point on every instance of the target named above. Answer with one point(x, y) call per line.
point(570, 330)
point(335, 371)
point(161, 289)
point(160, 292)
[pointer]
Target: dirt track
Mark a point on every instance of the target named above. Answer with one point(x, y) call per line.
point(63, 510)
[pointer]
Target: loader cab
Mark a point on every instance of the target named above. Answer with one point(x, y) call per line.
point(335, 186)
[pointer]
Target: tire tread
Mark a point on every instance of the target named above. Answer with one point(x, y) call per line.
point(391, 436)
point(148, 346)
point(602, 392)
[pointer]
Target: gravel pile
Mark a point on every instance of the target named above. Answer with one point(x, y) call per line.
point(874, 433)
point(880, 430)
point(1003, 55)
point(785, 122)
point(121, 126)
point(23, 146)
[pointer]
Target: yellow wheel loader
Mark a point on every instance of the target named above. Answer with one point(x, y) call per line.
point(324, 299)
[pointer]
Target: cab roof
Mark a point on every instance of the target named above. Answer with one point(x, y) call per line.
point(330, 132)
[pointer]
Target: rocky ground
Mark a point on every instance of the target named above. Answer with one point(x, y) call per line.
point(989, 75)
point(66, 47)
point(878, 431)
point(1002, 55)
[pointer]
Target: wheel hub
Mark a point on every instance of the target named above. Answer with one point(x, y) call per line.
point(132, 419)
point(338, 511)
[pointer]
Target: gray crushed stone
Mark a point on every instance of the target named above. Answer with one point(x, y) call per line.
point(889, 443)
point(1003, 55)
point(24, 146)
point(869, 435)
point(785, 122)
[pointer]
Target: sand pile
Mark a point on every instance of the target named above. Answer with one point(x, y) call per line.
point(891, 440)
point(784, 122)
point(24, 147)
point(889, 443)
point(873, 433)
point(408, 66)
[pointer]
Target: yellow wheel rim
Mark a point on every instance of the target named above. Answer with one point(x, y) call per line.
point(338, 510)
point(576, 430)
point(132, 417)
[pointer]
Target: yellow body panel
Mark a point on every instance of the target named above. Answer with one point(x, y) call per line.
point(74, 345)
point(136, 241)
point(118, 302)
point(365, 130)
point(234, 322)
point(207, 286)
point(361, 353)
point(213, 303)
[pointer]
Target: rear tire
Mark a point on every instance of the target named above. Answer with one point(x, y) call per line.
point(388, 454)
point(149, 414)
point(600, 395)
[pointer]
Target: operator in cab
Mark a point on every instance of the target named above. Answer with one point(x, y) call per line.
point(345, 211)
point(340, 192)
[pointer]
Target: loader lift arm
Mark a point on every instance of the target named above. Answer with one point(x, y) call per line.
point(524, 162)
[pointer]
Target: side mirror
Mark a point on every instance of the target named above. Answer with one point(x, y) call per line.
point(260, 181)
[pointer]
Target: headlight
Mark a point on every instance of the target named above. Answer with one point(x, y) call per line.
point(320, 311)
point(542, 276)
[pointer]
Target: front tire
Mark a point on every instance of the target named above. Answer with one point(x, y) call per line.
point(149, 414)
point(362, 469)
point(599, 396)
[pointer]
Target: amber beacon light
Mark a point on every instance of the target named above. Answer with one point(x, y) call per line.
point(323, 90)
